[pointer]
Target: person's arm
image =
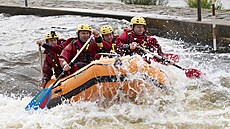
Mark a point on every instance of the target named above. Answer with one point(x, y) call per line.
point(98, 40)
point(65, 56)
point(122, 44)
point(45, 45)
point(100, 46)
point(153, 45)
point(55, 48)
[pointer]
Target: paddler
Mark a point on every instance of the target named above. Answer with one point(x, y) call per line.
point(128, 41)
point(83, 32)
point(53, 47)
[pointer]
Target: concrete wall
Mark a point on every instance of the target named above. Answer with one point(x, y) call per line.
point(189, 31)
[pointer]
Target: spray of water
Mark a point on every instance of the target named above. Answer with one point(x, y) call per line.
point(192, 103)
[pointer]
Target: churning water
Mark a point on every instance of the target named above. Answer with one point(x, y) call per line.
point(193, 103)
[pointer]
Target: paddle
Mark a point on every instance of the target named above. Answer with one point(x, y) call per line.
point(42, 98)
point(189, 72)
point(40, 56)
point(170, 56)
point(108, 54)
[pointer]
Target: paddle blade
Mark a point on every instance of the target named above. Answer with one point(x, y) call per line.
point(34, 102)
point(46, 101)
point(192, 73)
point(40, 100)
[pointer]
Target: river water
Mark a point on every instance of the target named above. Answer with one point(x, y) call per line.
point(193, 103)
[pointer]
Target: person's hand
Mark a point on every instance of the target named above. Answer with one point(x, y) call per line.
point(40, 42)
point(95, 33)
point(43, 84)
point(165, 61)
point(100, 45)
point(66, 67)
point(133, 45)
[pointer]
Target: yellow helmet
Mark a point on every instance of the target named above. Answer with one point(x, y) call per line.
point(83, 27)
point(138, 20)
point(51, 35)
point(106, 29)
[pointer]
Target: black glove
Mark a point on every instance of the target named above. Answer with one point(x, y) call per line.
point(47, 46)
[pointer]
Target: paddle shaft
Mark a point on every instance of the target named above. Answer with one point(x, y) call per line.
point(83, 47)
point(40, 56)
point(108, 54)
point(160, 57)
point(178, 66)
point(190, 73)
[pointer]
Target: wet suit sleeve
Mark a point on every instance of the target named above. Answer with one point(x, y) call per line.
point(154, 46)
point(52, 48)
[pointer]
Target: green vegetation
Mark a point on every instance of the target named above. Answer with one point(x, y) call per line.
point(145, 2)
point(204, 4)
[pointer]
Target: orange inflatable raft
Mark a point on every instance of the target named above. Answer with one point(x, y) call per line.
point(105, 77)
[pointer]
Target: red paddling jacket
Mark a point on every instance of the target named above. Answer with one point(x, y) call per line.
point(128, 36)
point(107, 47)
point(51, 62)
point(74, 46)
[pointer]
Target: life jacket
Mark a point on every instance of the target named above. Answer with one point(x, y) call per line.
point(108, 46)
point(85, 56)
point(142, 42)
point(134, 40)
point(57, 67)
point(113, 49)
point(54, 59)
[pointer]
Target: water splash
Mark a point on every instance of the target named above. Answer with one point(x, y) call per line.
point(193, 103)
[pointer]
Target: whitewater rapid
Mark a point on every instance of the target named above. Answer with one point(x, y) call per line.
point(193, 103)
